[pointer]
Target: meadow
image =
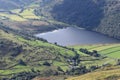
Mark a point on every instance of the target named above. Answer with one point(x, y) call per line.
point(111, 52)
point(21, 14)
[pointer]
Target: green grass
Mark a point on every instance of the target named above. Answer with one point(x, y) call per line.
point(20, 68)
point(35, 53)
point(103, 49)
point(40, 43)
point(12, 17)
point(112, 51)
point(114, 55)
point(25, 15)
point(29, 14)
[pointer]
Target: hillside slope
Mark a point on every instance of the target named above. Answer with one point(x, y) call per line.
point(104, 74)
point(110, 24)
point(13, 4)
point(21, 53)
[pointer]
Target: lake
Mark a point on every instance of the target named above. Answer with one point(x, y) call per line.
point(76, 36)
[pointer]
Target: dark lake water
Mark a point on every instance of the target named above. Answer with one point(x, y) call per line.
point(75, 36)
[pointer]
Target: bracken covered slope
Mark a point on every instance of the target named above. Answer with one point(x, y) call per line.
point(111, 73)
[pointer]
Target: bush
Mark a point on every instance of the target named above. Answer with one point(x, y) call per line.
point(46, 63)
point(60, 69)
point(21, 62)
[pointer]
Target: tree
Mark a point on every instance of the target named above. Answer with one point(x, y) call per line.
point(46, 63)
point(93, 68)
point(55, 43)
point(21, 62)
point(93, 53)
point(60, 69)
point(33, 70)
point(118, 62)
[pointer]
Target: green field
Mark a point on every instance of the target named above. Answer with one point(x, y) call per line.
point(21, 14)
point(110, 51)
point(112, 54)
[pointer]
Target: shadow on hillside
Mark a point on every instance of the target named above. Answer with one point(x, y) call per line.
point(85, 13)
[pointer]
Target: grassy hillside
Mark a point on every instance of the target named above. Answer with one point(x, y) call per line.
point(24, 19)
point(110, 52)
point(111, 73)
point(18, 54)
point(13, 4)
point(106, 63)
point(23, 13)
